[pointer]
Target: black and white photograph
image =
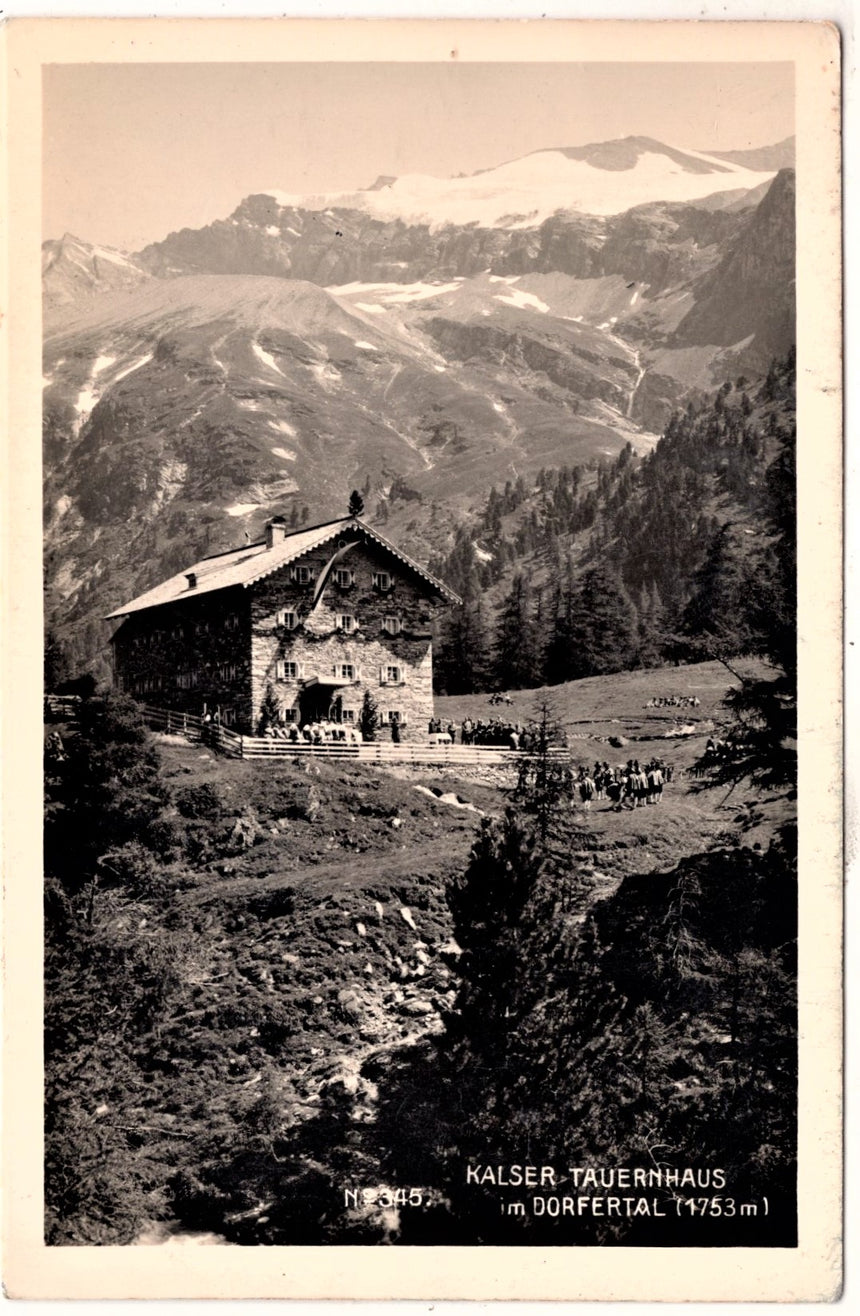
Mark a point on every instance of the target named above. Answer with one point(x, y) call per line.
point(420, 456)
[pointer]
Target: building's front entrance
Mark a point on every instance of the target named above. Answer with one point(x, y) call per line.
point(316, 700)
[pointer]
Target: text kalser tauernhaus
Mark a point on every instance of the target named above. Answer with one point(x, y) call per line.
point(542, 1176)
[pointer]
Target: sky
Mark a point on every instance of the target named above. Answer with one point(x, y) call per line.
point(135, 151)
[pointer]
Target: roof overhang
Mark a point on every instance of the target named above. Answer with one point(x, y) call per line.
point(243, 568)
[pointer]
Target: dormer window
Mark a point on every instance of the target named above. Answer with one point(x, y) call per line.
point(382, 580)
point(346, 622)
point(344, 577)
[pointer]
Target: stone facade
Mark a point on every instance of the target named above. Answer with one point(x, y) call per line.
point(192, 656)
point(346, 617)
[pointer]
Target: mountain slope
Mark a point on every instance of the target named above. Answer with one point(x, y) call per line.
point(349, 352)
point(780, 155)
point(752, 290)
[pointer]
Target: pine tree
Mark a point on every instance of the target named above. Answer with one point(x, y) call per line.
point(716, 619)
point(57, 665)
point(652, 627)
point(603, 625)
point(356, 503)
point(558, 654)
point(517, 664)
point(368, 718)
point(109, 791)
point(543, 777)
point(270, 711)
point(488, 903)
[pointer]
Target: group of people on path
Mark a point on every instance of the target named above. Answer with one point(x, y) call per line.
point(674, 701)
point(629, 787)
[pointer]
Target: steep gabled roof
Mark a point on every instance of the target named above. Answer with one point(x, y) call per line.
point(244, 566)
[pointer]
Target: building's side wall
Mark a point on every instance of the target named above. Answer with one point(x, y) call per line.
point(192, 655)
point(317, 644)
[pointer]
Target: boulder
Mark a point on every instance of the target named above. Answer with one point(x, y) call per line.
point(243, 834)
point(349, 1004)
point(416, 1006)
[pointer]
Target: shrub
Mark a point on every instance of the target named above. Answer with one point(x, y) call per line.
point(202, 801)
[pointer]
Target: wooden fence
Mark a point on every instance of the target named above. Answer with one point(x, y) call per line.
point(61, 708)
point(193, 728)
point(380, 752)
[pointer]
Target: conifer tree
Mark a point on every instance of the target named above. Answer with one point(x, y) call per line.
point(270, 711)
point(716, 619)
point(368, 718)
point(652, 626)
point(488, 903)
point(603, 625)
point(517, 664)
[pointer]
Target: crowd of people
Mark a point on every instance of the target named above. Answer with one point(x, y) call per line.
point(674, 701)
point(627, 787)
point(494, 731)
point(314, 733)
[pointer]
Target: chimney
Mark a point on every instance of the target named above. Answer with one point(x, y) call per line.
point(276, 531)
point(191, 577)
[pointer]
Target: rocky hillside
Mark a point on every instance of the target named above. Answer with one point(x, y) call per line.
point(241, 1010)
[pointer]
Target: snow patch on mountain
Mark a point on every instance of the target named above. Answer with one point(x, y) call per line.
point(524, 301)
point(324, 373)
point(91, 392)
point(267, 359)
point(523, 193)
point(135, 365)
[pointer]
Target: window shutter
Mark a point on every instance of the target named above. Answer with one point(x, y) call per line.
point(300, 671)
point(382, 675)
point(280, 670)
point(357, 671)
point(294, 571)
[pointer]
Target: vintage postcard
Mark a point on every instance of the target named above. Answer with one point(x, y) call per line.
point(422, 867)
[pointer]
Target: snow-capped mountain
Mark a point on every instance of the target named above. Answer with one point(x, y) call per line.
point(281, 357)
point(603, 178)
